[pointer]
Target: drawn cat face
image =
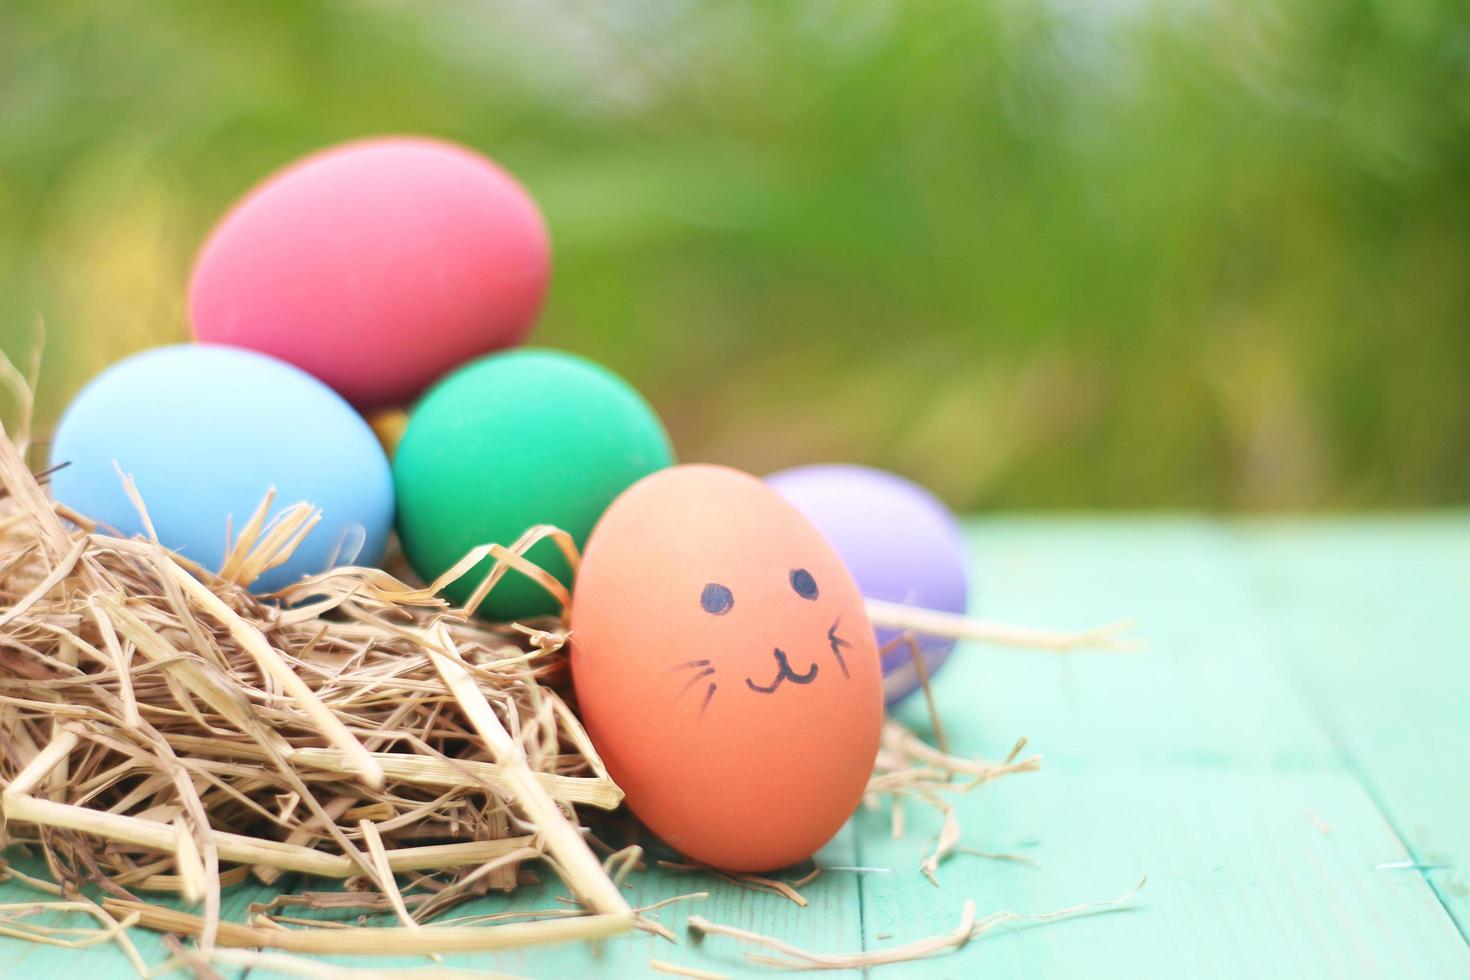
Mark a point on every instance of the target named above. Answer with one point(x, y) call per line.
point(718, 600)
point(725, 667)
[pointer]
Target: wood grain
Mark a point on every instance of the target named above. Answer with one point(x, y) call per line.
point(1373, 621)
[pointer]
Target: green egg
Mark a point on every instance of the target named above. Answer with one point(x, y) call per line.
point(509, 441)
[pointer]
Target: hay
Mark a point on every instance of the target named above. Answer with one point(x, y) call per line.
point(162, 729)
point(934, 622)
point(796, 958)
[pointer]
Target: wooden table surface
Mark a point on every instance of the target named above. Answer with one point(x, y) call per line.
point(1286, 760)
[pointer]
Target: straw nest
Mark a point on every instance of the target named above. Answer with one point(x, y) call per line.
point(164, 730)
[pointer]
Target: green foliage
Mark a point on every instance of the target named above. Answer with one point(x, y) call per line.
point(1060, 255)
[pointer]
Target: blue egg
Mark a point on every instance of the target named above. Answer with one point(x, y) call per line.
point(205, 431)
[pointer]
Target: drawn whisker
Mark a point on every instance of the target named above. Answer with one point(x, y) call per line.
point(838, 643)
point(696, 679)
point(708, 695)
point(689, 663)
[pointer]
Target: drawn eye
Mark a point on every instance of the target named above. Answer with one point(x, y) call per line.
point(804, 584)
point(717, 599)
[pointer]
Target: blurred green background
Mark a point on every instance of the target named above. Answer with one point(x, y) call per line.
point(1069, 254)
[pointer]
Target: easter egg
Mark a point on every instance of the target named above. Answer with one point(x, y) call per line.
point(388, 424)
point(376, 266)
point(510, 441)
point(900, 544)
point(206, 431)
point(725, 668)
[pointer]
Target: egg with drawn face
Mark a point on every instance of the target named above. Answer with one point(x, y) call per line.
point(725, 668)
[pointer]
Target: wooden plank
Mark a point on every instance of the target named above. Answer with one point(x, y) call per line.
point(832, 917)
point(1194, 761)
point(1372, 619)
point(19, 958)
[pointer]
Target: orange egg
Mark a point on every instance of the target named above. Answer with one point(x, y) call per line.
point(725, 668)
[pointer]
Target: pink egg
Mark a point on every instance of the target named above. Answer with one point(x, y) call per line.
point(376, 266)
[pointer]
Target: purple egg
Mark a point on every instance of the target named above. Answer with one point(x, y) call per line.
point(900, 543)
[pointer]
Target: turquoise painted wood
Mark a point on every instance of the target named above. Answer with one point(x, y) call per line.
point(1291, 738)
point(1374, 625)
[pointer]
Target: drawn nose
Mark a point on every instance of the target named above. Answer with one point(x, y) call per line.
point(786, 673)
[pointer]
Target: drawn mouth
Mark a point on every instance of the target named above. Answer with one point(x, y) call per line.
point(783, 674)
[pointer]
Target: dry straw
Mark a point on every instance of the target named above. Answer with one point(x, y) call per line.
point(161, 729)
point(164, 730)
